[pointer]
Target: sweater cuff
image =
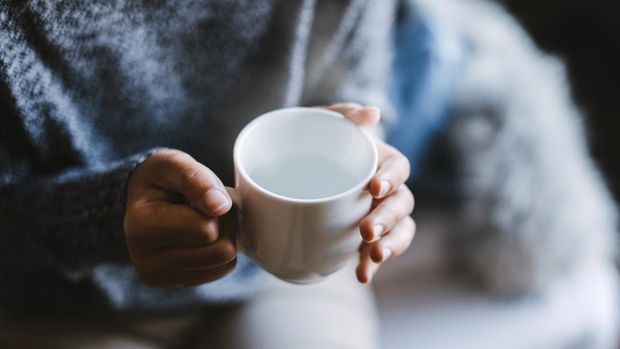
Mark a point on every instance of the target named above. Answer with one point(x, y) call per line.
point(69, 222)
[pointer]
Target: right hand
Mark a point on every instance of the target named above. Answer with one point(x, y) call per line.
point(173, 233)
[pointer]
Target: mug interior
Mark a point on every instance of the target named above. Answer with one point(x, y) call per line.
point(299, 132)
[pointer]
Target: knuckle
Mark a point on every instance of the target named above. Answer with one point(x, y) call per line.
point(176, 155)
point(196, 174)
point(402, 189)
point(208, 231)
point(409, 197)
point(407, 190)
point(226, 252)
point(182, 163)
point(190, 174)
point(405, 197)
point(412, 225)
point(165, 157)
point(402, 159)
point(148, 162)
point(395, 156)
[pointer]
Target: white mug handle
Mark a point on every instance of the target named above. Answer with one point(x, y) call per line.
point(234, 195)
point(236, 199)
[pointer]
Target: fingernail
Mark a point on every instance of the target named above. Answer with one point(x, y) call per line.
point(355, 113)
point(377, 230)
point(375, 109)
point(387, 253)
point(216, 199)
point(384, 188)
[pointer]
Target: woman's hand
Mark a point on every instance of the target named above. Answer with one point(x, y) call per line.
point(388, 229)
point(171, 222)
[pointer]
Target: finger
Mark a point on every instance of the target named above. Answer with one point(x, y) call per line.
point(171, 259)
point(393, 171)
point(362, 116)
point(189, 278)
point(343, 108)
point(180, 173)
point(395, 242)
point(387, 214)
point(366, 268)
point(218, 253)
point(169, 224)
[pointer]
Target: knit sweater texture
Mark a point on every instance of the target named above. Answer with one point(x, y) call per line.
point(88, 89)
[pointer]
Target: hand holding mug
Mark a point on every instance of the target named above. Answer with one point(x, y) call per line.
point(174, 228)
point(388, 229)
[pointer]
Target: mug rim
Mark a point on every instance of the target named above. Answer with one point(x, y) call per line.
point(252, 124)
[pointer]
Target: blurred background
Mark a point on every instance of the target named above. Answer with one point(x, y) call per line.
point(427, 308)
point(586, 35)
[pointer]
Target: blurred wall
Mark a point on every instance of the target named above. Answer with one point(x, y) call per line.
point(586, 34)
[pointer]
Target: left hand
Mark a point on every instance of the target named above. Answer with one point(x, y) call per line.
point(388, 229)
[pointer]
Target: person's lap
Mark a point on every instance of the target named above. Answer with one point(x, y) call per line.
point(335, 313)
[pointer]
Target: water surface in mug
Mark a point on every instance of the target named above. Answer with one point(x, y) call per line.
point(303, 176)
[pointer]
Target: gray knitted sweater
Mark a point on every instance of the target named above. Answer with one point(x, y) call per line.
point(89, 88)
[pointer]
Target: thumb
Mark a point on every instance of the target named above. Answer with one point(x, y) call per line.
point(179, 173)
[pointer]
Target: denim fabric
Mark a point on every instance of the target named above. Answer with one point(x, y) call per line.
point(426, 64)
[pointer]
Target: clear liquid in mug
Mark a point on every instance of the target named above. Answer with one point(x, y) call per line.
point(303, 176)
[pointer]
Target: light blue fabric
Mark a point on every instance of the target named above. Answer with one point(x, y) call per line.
point(426, 64)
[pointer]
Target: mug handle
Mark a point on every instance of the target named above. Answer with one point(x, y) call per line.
point(234, 195)
point(236, 199)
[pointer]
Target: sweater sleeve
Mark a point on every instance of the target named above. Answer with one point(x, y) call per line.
point(67, 222)
point(61, 206)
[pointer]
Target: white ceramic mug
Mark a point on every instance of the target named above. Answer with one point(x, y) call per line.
point(302, 239)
